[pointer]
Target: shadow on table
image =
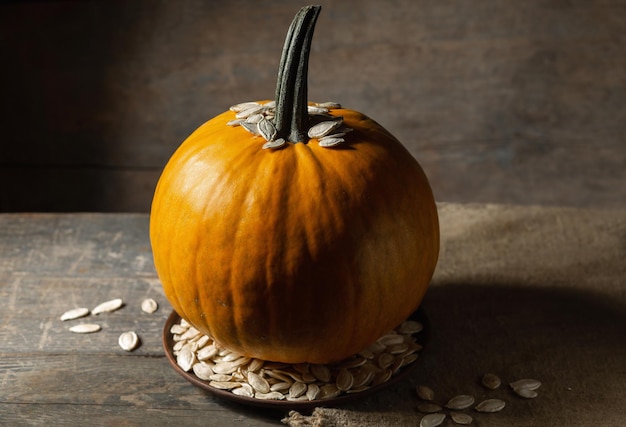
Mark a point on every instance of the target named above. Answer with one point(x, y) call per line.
point(570, 340)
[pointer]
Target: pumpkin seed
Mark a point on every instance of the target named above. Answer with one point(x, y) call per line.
point(149, 305)
point(432, 420)
point(461, 418)
point(267, 129)
point(235, 122)
point(253, 109)
point(491, 381)
point(253, 128)
point(528, 383)
point(245, 389)
point(425, 392)
point(410, 327)
point(428, 407)
point(75, 313)
point(462, 401)
point(491, 405)
point(281, 386)
point(328, 391)
point(272, 395)
point(225, 385)
point(329, 105)
point(274, 144)
point(203, 371)
point(85, 328)
point(243, 106)
point(258, 383)
point(255, 118)
point(312, 391)
point(324, 128)
point(330, 142)
point(185, 359)
point(108, 306)
point(128, 341)
point(297, 389)
point(526, 393)
point(316, 110)
point(344, 380)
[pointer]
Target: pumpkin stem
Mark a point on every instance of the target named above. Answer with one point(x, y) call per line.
point(292, 119)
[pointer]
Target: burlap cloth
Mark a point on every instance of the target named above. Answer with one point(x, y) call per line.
point(522, 292)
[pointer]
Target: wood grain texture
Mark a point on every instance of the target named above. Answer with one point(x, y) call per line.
point(519, 291)
point(515, 102)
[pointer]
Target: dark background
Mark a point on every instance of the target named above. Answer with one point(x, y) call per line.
point(500, 101)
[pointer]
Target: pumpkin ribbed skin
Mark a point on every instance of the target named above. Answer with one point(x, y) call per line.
point(303, 254)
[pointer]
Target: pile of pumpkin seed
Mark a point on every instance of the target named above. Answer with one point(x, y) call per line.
point(437, 412)
point(128, 340)
point(258, 119)
point(244, 376)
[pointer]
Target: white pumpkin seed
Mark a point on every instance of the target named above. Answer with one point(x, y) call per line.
point(274, 144)
point(528, 383)
point(258, 383)
point(410, 327)
point(272, 395)
point(253, 128)
point(108, 306)
point(128, 341)
point(432, 420)
point(321, 372)
point(330, 142)
point(75, 313)
point(428, 407)
point(312, 391)
point(322, 129)
point(185, 359)
point(85, 328)
point(243, 106)
point(491, 405)
point(315, 110)
point(329, 105)
point(282, 386)
point(297, 389)
point(225, 385)
point(267, 129)
point(149, 305)
point(461, 418)
point(425, 392)
point(203, 371)
point(491, 381)
point(245, 389)
point(249, 111)
point(177, 329)
point(255, 118)
point(391, 339)
point(328, 391)
point(344, 379)
point(462, 401)
point(255, 365)
point(526, 393)
point(235, 122)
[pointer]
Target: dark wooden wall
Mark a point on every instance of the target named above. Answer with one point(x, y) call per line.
point(500, 101)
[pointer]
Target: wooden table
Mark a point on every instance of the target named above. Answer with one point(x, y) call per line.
point(483, 319)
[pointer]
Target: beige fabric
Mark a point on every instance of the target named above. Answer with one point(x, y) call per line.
point(533, 292)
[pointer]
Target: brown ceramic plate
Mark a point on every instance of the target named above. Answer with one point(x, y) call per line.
point(168, 343)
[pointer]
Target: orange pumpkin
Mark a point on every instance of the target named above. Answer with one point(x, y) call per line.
point(302, 253)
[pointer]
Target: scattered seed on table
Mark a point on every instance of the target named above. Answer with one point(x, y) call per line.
point(462, 401)
point(425, 392)
point(491, 405)
point(428, 407)
point(74, 314)
point(85, 328)
point(528, 383)
point(491, 381)
point(128, 341)
point(432, 420)
point(149, 305)
point(108, 306)
point(461, 418)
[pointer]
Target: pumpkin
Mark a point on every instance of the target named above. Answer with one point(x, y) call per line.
point(300, 252)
